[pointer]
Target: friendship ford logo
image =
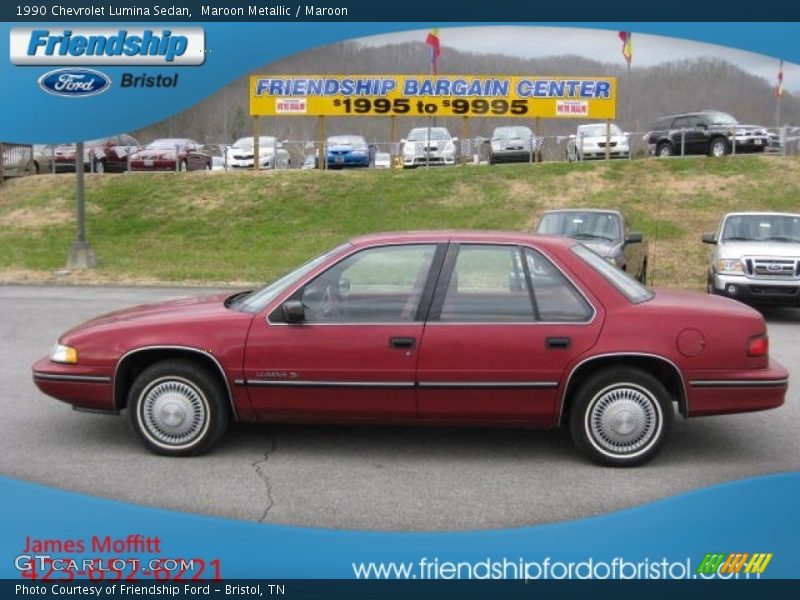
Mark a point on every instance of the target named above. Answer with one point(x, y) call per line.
point(74, 83)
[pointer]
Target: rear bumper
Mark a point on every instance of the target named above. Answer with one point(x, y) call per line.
point(727, 392)
point(82, 386)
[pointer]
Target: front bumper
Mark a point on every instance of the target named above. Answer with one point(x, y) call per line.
point(152, 165)
point(600, 153)
point(84, 387)
point(758, 291)
point(339, 161)
point(433, 158)
point(727, 392)
point(510, 156)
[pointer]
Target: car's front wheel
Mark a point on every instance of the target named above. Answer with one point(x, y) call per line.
point(664, 150)
point(178, 408)
point(621, 417)
point(719, 147)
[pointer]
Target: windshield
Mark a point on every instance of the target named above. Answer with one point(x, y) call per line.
point(257, 300)
point(247, 142)
point(512, 133)
point(420, 134)
point(634, 291)
point(171, 143)
point(762, 228)
point(346, 140)
point(598, 130)
point(582, 225)
point(720, 118)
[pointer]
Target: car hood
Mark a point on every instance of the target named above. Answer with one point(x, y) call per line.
point(601, 247)
point(173, 310)
point(777, 249)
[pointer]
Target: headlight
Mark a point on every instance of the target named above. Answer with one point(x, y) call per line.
point(64, 354)
point(731, 266)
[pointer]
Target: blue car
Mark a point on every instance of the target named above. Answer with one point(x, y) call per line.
point(347, 151)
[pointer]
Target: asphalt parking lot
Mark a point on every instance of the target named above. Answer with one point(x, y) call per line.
point(357, 477)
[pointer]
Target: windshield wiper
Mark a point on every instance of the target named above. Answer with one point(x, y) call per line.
point(781, 238)
point(591, 236)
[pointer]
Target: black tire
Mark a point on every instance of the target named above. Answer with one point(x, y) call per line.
point(718, 147)
point(664, 149)
point(208, 166)
point(621, 417)
point(168, 394)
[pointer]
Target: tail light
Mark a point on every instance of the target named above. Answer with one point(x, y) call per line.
point(758, 345)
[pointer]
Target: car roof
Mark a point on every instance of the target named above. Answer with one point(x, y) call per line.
point(462, 236)
point(760, 213)
point(575, 210)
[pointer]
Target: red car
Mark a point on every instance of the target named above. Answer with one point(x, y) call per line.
point(427, 328)
point(172, 154)
point(108, 154)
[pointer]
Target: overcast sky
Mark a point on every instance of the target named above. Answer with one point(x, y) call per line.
point(602, 45)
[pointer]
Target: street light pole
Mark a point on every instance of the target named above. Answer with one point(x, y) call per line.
point(81, 254)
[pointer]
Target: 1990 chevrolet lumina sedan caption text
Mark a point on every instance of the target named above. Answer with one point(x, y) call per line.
point(457, 328)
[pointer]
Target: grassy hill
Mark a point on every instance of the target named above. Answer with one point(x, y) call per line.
point(250, 227)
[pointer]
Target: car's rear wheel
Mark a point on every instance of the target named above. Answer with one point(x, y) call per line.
point(718, 147)
point(177, 408)
point(99, 166)
point(664, 149)
point(621, 417)
point(184, 167)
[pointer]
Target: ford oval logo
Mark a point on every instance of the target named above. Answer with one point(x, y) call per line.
point(74, 83)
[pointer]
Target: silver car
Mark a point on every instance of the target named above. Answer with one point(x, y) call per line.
point(756, 258)
point(589, 142)
point(429, 146)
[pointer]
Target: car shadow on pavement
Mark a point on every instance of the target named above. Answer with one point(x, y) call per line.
point(780, 314)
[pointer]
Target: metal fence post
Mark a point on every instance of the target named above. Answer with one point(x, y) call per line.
point(683, 140)
point(733, 145)
point(177, 158)
point(53, 158)
point(128, 159)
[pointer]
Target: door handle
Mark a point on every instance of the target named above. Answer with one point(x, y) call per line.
point(557, 343)
point(402, 342)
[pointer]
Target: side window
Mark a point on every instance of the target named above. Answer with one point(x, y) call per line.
point(681, 123)
point(487, 285)
point(556, 298)
point(377, 285)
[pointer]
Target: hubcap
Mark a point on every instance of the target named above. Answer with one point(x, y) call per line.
point(718, 149)
point(173, 412)
point(623, 420)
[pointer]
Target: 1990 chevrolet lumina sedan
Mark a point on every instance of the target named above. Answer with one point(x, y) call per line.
point(457, 328)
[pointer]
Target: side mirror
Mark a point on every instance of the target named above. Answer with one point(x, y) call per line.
point(293, 311)
point(634, 237)
point(454, 140)
point(344, 287)
point(403, 141)
point(708, 238)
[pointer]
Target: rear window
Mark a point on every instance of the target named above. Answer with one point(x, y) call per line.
point(634, 291)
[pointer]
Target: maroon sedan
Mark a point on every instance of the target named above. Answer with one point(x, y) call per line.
point(172, 154)
point(457, 328)
point(108, 154)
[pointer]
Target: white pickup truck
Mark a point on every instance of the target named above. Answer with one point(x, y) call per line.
point(756, 258)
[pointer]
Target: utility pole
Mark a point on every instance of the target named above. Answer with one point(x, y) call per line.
point(81, 254)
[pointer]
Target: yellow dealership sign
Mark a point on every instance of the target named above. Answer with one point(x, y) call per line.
point(434, 95)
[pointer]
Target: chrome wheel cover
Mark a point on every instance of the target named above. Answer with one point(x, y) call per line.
point(623, 420)
point(174, 412)
point(718, 149)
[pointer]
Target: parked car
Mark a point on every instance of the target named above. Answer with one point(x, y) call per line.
point(590, 142)
point(383, 160)
point(429, 146)
point(344, 151)
point(519, 330)
point(756, 258)
point(706, 132)
point(42, 158)
point(172, 154)
point(272, 154)
point(607, 232)
point(108, 154)
point(512, 144)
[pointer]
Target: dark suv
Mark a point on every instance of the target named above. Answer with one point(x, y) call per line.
point(706, 132)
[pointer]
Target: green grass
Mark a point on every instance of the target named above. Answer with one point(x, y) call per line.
point(251, 227)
